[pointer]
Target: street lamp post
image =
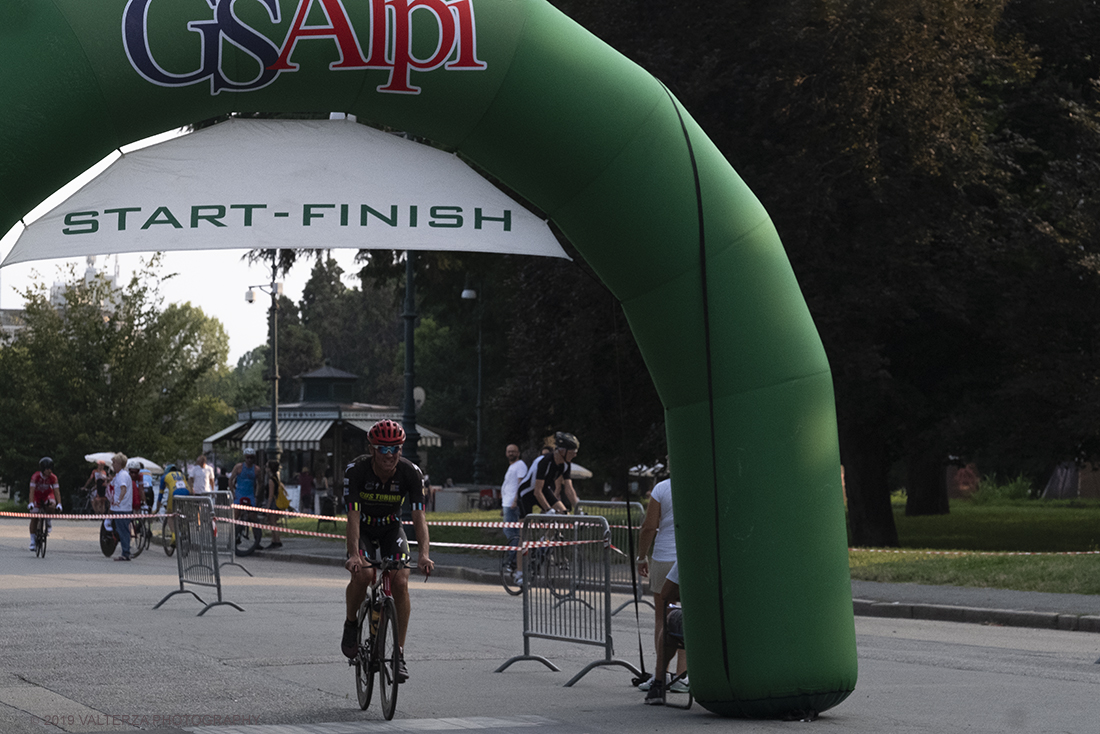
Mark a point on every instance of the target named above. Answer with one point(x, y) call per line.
point(275, 289)
point(479, 460)
point(408, 420)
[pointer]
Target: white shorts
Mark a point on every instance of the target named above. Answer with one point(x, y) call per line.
point(658, 571)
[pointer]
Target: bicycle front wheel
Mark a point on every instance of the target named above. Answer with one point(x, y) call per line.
point(364, 663)
point(564, 570)
point(387, 652)
point(137, 538)
point(40, 539)
point(167, 537)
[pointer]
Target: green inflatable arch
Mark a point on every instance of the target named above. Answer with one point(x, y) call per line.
point(601, 147)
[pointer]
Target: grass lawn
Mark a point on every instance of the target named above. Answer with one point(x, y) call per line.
point(1021, 526)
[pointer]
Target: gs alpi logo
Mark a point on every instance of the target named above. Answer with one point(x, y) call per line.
point(384, 41)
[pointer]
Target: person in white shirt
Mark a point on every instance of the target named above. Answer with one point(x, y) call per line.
point(509, 494)
point(658, 531)
point(201, 475)
point(121, 494)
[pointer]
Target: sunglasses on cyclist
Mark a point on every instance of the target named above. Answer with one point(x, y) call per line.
point(386, 449)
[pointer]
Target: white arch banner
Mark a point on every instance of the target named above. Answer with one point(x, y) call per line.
point(262, 184)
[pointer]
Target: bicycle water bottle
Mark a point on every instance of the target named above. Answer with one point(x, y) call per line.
point(375, 614)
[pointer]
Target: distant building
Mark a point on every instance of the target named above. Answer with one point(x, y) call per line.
point(11, 321)
point(323, 431)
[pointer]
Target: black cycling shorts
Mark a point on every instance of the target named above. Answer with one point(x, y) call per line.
point(389, 539)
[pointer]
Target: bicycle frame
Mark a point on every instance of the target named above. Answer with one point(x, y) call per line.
point(377, 637)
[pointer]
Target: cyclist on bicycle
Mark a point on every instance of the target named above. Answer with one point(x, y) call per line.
point(245, 478)
point(97, 485)
point(173, 482)
point(537, 488)
point(375, 485)
point(45, 493)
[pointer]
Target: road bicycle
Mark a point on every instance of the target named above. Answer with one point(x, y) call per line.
point(84, 504)
point(376, 632)
point(168, 535)
point(41, 531)
point(167, 531)
point(247, 539)
point(558, 568)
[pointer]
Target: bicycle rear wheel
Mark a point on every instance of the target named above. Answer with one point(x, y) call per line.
point(248, 540)
point(387, 653)
point(364, 661)
point(108, 541)
point(168, 537)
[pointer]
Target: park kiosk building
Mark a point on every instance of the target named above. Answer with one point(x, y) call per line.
point(323, 431)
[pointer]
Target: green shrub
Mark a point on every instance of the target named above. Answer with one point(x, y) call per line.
point(990, 491)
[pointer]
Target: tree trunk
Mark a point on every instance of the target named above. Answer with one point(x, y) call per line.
point(866, 474)
point(926, 490)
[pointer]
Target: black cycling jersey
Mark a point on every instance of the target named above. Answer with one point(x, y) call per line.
point(545, 468)
point(379, 502)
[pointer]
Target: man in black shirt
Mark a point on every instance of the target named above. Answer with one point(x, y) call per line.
point(374, 486)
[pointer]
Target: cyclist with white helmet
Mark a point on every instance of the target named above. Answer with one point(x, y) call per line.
point(375, 485)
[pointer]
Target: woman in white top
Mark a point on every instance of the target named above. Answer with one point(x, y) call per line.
point(658, 530)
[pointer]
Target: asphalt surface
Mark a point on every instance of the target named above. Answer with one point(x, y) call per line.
point(84, 651)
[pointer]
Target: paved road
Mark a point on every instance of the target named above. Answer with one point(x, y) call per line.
point(83, 651)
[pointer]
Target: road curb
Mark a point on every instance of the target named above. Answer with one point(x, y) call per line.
point(976, 615)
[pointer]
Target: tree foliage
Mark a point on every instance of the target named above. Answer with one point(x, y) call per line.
point(933, 168)
point(105, 368)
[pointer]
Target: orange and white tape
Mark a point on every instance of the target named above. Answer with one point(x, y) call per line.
point(60, 516)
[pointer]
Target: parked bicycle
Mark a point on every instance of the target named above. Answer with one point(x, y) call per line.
point(82, 501)
point(42, 531)
point(247, 539)
point(378, 643)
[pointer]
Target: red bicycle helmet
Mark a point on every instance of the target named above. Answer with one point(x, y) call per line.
point(386, 433)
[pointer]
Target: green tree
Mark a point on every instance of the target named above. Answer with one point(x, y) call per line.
point(358, 328)
point(932, 169)
point(100, 367)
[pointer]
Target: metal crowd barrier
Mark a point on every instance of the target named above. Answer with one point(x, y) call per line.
point(196, 549)
point(625, 519)
point(567, 587)
point(226, 534)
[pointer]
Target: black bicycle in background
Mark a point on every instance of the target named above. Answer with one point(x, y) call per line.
point(247, 539)
point(42, 530)
point(140, 537)
point(556, 567)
